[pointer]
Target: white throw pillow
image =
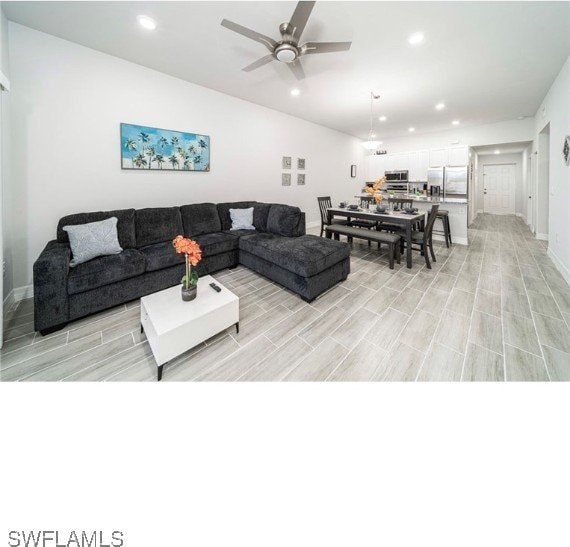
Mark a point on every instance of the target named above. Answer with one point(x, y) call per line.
point(242, 219)
point(91, 240)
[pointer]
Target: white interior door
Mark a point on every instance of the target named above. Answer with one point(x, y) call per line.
point(499, 189)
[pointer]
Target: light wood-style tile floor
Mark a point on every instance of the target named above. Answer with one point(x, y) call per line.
point(496, 310)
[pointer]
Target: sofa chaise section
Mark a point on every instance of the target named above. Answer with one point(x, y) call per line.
point(306, 264)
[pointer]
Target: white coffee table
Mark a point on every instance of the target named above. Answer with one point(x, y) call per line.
point(173, 326)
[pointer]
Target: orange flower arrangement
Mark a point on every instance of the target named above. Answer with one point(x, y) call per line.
point(189, 247)
point(374, 190)
point(193, 256)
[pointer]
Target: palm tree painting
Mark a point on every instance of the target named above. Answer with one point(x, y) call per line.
point(159, 159)
point(140, 161)
point(150, 153)
point(131, 146)
point(152, 149)
point(173, 160)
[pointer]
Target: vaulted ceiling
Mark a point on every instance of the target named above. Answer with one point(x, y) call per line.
point(487, 61)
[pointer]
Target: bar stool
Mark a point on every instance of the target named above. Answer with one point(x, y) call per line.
point(443, 215)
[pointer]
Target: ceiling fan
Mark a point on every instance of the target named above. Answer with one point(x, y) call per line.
point(288, 50)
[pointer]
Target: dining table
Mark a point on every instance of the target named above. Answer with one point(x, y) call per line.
point(407, 221)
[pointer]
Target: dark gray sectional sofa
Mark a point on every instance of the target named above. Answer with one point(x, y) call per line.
point(278, 249)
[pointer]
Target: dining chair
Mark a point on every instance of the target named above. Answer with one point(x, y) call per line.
point(324, 203)
point(423, 239)
point(365, 201)
point(443, 215)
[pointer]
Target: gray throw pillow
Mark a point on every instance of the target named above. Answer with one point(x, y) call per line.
point(91, 240)
point(242, 219)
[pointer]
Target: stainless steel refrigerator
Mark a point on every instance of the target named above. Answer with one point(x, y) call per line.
point(452, 181)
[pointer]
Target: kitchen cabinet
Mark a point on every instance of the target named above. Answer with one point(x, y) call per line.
point(458, 156)
point(390, 162)
point(402, 162)
point(418, 165)
point(416, 162)
point(423, 163)
point(438, 157)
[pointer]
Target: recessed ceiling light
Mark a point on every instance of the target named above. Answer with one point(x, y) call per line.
point(411, 129)
point(520, 118)
point(440, 106)
point(497, 151)
point(416, 38)
point(382, 118)
point(455, 122)
point(146, 22)
point(295, 92)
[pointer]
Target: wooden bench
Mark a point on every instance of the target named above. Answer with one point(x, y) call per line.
point(392, 240)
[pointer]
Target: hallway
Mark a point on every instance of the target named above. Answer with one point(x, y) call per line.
point(534, 298)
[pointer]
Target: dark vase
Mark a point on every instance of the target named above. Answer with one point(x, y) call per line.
point(190, 293)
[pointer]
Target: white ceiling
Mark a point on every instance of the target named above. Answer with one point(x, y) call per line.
point(488, 61)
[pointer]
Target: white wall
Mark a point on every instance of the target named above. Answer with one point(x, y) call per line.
point(6, 281)
point(67, 104)
point(555, 109)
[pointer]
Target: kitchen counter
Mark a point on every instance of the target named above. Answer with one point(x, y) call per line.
point(424, 199)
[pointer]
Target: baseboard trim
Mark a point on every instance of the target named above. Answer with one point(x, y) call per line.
point(521, 215)
point(21, 293)
point(9, 301)
point(542, 237)
point(559, 265)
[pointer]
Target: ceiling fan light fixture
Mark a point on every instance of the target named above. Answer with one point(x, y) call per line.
point(288, 49)
point(286, 53)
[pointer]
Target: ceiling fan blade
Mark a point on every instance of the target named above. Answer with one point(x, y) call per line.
point(297, 69)
point(269, 43)
point(300, 17)
point(324, 47)
point(259, 63)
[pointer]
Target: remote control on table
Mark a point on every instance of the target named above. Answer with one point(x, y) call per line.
point(215, 287)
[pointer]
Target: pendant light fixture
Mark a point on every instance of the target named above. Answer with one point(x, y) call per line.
point(371, 143)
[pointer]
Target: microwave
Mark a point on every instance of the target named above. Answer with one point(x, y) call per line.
point(396, 176)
